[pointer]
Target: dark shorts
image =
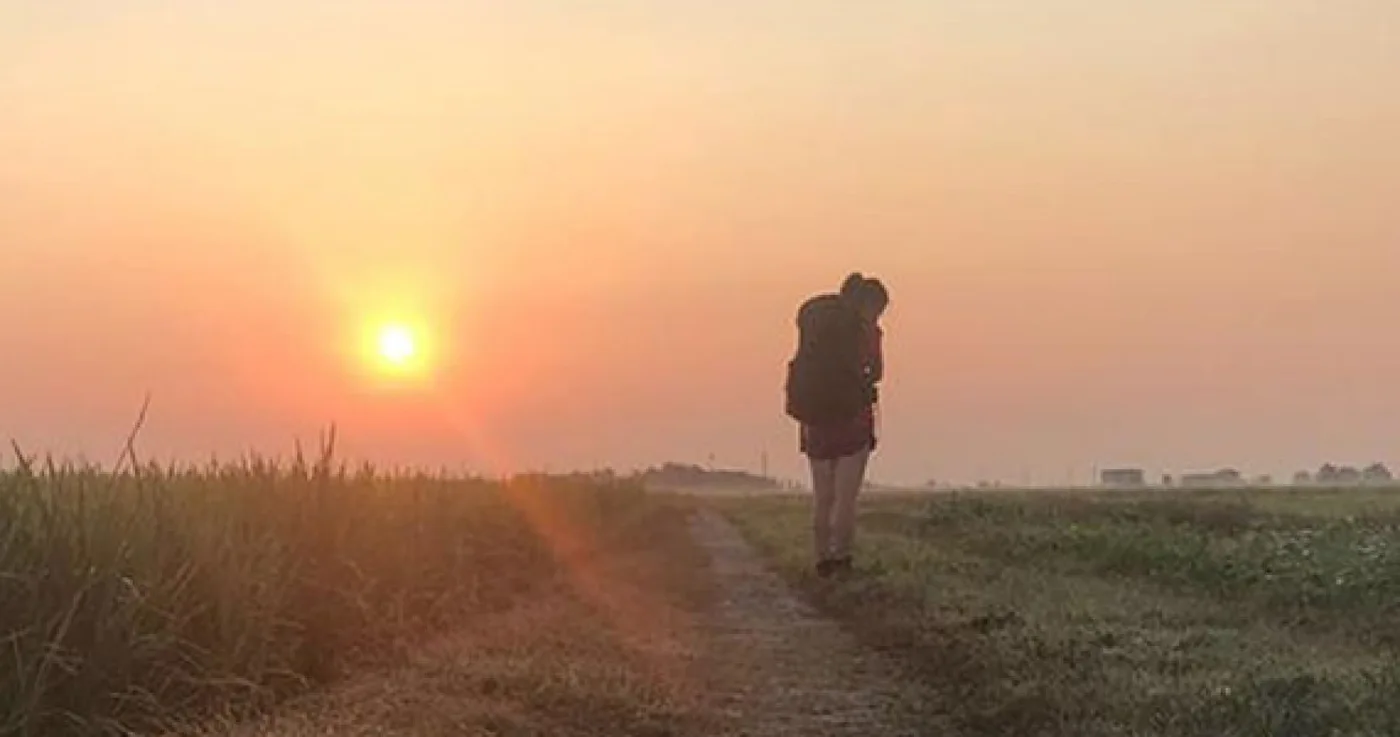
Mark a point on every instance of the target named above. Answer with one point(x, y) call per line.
point(828, 442)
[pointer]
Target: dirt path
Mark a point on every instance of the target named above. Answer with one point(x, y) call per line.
point(753, 660)
point(786, 669)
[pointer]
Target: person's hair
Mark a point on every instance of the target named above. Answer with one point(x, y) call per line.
point(852, 286)
point(873, 292)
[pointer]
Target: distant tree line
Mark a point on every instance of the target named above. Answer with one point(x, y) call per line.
point(1330, 474)
point(669, 475)
point(693, 476)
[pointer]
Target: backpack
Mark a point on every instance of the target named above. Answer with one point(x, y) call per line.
point(826, 380)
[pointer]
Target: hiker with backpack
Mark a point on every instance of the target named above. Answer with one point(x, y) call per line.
point(832, 392)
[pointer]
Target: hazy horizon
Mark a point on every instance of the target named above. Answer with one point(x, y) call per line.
point(1150, 236)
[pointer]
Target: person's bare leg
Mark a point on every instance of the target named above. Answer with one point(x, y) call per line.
point(824, 498)
point(849, 478)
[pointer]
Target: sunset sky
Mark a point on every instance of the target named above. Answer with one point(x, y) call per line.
point(1162, 234)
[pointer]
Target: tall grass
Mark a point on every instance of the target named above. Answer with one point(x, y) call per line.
point(130, 597)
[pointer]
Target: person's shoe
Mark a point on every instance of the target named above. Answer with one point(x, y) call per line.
point(825, 568)
point(843, 564)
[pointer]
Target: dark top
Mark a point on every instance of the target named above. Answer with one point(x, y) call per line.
point(839, 439)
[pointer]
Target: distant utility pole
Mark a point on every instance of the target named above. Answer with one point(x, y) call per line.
point(763, 464)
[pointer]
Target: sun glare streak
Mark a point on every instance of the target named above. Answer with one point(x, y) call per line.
point(633, 613)
point(397, 346)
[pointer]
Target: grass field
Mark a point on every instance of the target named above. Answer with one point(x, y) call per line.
point(196, 600)
point(1156, 613)
point(152, 598)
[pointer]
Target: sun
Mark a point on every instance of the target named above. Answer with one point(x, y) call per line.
point(398, 350)
point(397, 345)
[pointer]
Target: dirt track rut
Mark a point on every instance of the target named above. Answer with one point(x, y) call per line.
point(783, 668)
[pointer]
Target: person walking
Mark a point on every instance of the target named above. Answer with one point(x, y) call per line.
point(832, 391)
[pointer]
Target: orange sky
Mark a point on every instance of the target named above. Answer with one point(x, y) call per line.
point(1114, 233)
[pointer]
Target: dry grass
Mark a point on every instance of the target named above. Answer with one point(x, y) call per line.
point(606, 648)
point(136, 598)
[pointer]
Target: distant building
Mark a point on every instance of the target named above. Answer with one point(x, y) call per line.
point(1123, 477)
point(1223, 477)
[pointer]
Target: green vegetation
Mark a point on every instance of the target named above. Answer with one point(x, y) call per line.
point(198, 599)
point(157, 596)
point(1155, 613)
